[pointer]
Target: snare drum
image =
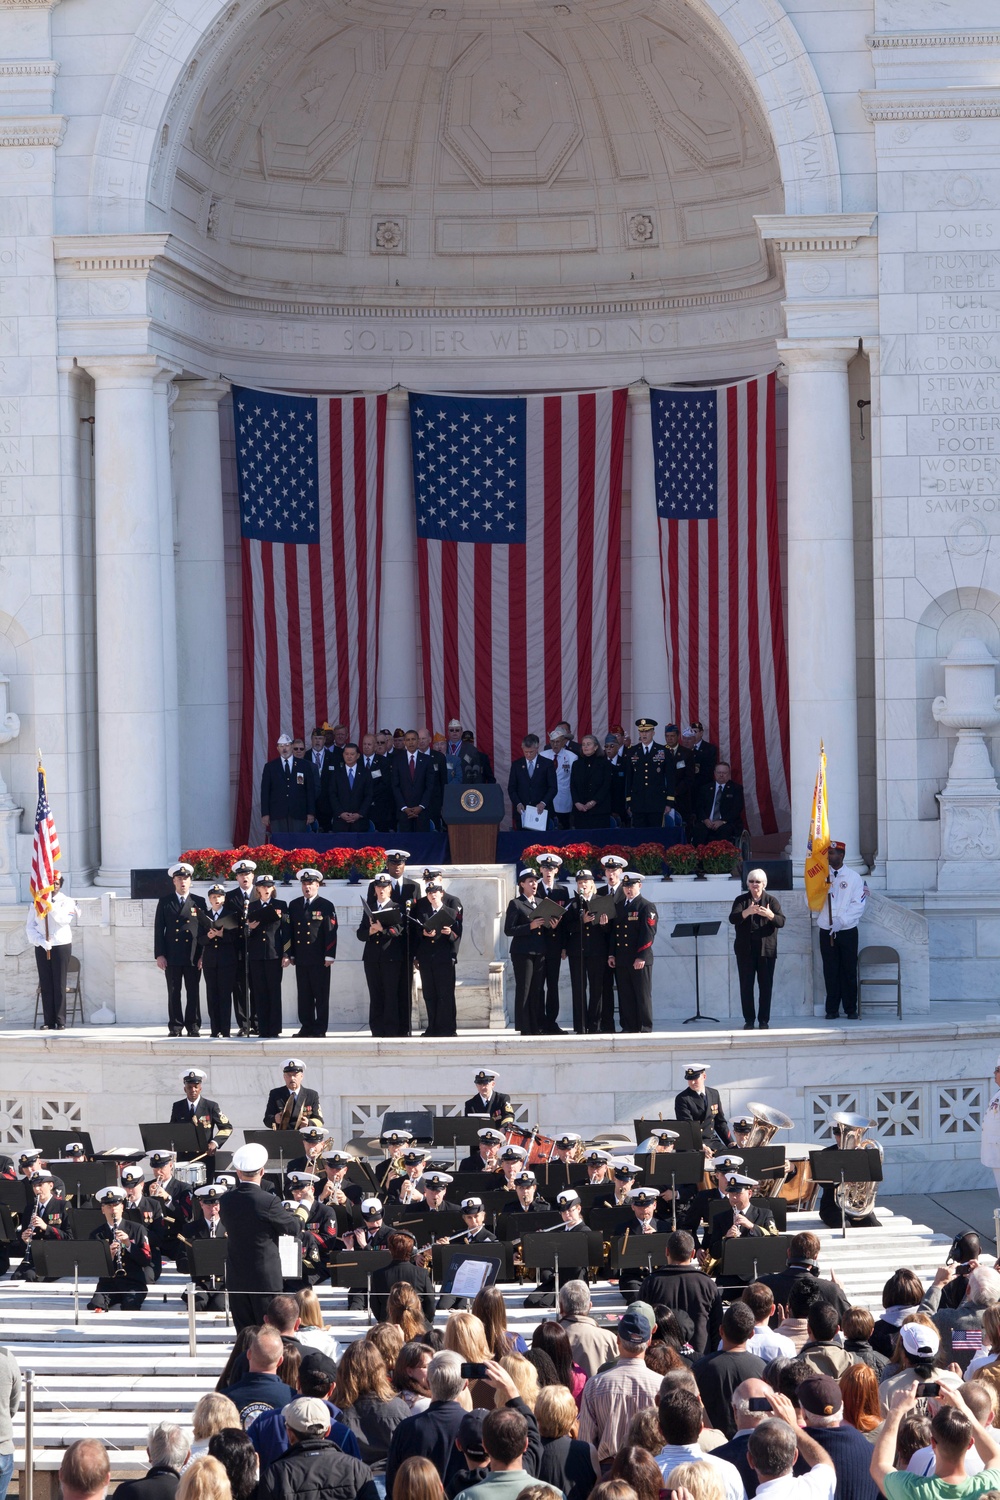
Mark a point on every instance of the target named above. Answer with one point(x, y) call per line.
point(191, 1173)
point(540, 1148)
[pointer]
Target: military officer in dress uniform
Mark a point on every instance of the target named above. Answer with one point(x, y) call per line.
point(131, 1256)
point(436, 952)
point(403, 892)
point(290, 1105)
point(433, 1186)
point(177, 943)
point(383, 931)
point(646, 767)
point(571, 1211)
point(266, 943)
point(312, 948)
point(238, 905)
point(209, 1296)
point(613, 886)
point(319, 1227)
point(588, 940)
point(698, 1102)
point(488, 1100)
point(195, 1109)
point(635, 931)
point(742, 1219)
point(220, 931)
point(641, 1220)
point(314, 1139)
point(552, 888)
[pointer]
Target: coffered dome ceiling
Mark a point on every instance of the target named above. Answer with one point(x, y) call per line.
point(466, 150)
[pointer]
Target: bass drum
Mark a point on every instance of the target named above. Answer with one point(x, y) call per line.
point(540, 1148)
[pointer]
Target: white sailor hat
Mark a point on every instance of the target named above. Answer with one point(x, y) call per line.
point(613, 861)
point(692, 1070)
point(217, 890)
point(744, 1123)
point(490, 1136)
point(513, 1153)
point(548, 858)
point(660, 1133)
point(439, 1180)
point(225, 1180)
point(371, 1208)
point(382, 878)
point(524, 1178)
point(302, 1179)
point(737, 1180)
point(567, 1198)
point(595, 1157)
point(161, 1158)
point(31, 1154)
point(45, 1176)
point(243, 867)
point(434, 885)
point(633, 877)
point(397, 854)
point(194, 1075)
point(568, 1140)
point(250, 1158)
point(526, 874)
point(336, 1158)
point(395, 1137)
point(584, 875)
point(109, 1195)
point(413, 1156)
point(472, 1205)
point(75, 1146)
point(131, 1176)
point(211, 1192)
point(293, 1065)
point(308, 873)
point(264, 879)
point(181, 868)
point(624, 1169)
point(312, 1132)
point(642, 1197)
point(723, 1163)
point(485, 1075)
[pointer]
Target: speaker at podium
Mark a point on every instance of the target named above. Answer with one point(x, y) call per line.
point(473, 812)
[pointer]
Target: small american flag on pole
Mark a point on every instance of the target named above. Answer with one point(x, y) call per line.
point(44, 851)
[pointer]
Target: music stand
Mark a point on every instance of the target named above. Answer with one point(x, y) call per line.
point(54, 1142)
point(845, 1166)
point(466, 1274)
point(207, 1258)
point(577, 1247)
point(513, 1226)
point(351, 1265)
point(778, 1207)
point(184, 1140)
point(83, 1179)
point(282, 1146)
point(475, 1184)
point(78, 1258)
point(8, 1227)
point(697, 930)
point(668, 1168)
point(420, 1122)
point(436, 1225)
point(758, 1160)
point(459, 1130)
point(14, 1194)
point(444, 1257)
point(747, 1259)
point(83, 1222)
point(641, 1250)
point(690, 1133)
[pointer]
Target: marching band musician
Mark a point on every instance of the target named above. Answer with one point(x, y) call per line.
point(698, 1102)
point(829, 1208)
point(511, 1160)
point(392, 1142)
point(382, 929)
point(487, 1158)
point(474, 1217)
point(436, 955)
point(488, 1100)
point(642, 1220)
point(290, 1106)
point(194, 1109)
point(696, 1211)
point(29, 1168)
point(320, 1237)
point(175, 1202)
point(144, 1210)
point(314, 1138)
point(434, 1186)
point(371, 1234)
point(742, 1219)
point(130, 1255)
point(336, 1190)
point(46, 1220)
point(209, 1296)
point(406, 1188)
point(571, 1212)
point(598, 1164)
point(623, 1175)
point(526, 1199)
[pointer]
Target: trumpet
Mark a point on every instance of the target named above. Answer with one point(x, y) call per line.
point(408, 1191)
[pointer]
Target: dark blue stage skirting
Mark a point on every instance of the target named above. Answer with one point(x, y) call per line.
point(432, 848)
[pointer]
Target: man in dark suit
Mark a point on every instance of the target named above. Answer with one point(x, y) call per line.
point(254, 1221)
point(287, 792)
point(350, 794)
point(532, 782)
point(803, 1261)
point(677, 767)
point(305, 1108)
point(472, 763)
point(177, 944)
point(701, 757)
point(322, 763)
point(413, 785)
point(439, 765)
point(312, 948)
point(383, 809)
point(718, 809)
point(266, 945)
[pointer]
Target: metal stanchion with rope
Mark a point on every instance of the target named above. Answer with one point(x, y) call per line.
point(28, 1489)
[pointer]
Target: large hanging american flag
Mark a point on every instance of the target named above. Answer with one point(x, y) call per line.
point(518, 540)
point(310, 472)
point(716, 498)
point(45, 851)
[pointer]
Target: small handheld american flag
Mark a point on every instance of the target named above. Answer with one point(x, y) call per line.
point(44, 851)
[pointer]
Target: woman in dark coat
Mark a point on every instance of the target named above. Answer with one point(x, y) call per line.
point(400, 1247)
point(527, 956)
point(590, 781)
point(756, 917)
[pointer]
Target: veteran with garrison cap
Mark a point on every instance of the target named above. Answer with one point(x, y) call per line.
point(312, 948)
point(177, 944)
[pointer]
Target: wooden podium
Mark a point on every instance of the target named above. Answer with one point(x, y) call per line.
point(473, 812)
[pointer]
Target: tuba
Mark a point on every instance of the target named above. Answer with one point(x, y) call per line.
point(766, 1123)
point(857, 1199)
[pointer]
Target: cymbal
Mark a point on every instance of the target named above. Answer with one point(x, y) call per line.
point(606, 1142)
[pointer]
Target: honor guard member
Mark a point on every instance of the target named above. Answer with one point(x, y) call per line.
point(646, 767)
point(635, 932)
point(487, 1158)
point(312, 948)
point(291, 1105)
point(698, 1210)
point(147, 1211)
point(177, 943)
point(588, 940)
point(219, 932)
point(131, 1256)
point(434, 1186)
point(195, 1109)
point(552, 889)
point(527, 955)
point(613, 886)
point(402, 893)
point(254, 1221)
point(511, 1160)
point(44, 1220)
point(438, 930)
point(526, 1198)
point(742, 1219)
point(266, 944)
point(571, 1212)
point(405, 1186)
point(488, 1100)
point(642, 1220)
point(314, 1139)
point(383, 931)
point(335, 1189)
point(837, 921)
point(238, 906)
point(698, 1102)
point(209, 1295)
point(29, 1167)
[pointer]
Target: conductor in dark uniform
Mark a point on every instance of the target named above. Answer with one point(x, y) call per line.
point(254, 1221)
point(635, 931)
point(698, 1102)
point(439, 936)
point(382, 932)
point(527, 956)
point(742, 1219)
point(220, 930)
point(304, 1108)
point(195, 1109)
point(312, 948)
point(488, 1100)
point(266, 946)
point(756, 916)
point(403, 893)
point(589, 940)
point(646, 767)
point(177, 940)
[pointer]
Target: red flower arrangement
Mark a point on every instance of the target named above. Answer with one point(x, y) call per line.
point(683, 859)
point(646, 858)
point(719, 857)
point(335, 864)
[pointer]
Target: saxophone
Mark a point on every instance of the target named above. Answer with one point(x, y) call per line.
point(857, 1199)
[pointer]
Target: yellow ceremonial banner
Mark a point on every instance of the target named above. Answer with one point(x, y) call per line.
point(817, 871)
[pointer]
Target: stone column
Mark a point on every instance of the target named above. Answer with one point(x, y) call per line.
point(650, 687)
point(202, 654)
point(129, 618)
point(164, 393)
point(822, 670)
point(399, 693)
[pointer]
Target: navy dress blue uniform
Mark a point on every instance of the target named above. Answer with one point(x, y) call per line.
point(384, 958)
point(287, 794)
point(219, 966)
point(312, 939)
point(350, 792)
point(630, 1278)
point(617, 894)
point(635, 931)
point(209, 1296)
point(177, 937)
point(497, 1108)
point(402, 893)
point(126, 1286)
point(588, 946)
point(555, 944)
point(266, 945)
point(527, 956)
point(307, 1109)
point(706, 1108)
point(531, 783)
point(254, 1221)
point(437, 958)
point(204, 1112)
point(237, 905)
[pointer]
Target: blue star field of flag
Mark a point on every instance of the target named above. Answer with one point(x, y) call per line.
point(469, 468)
point(276, 460)
point(685, 455)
